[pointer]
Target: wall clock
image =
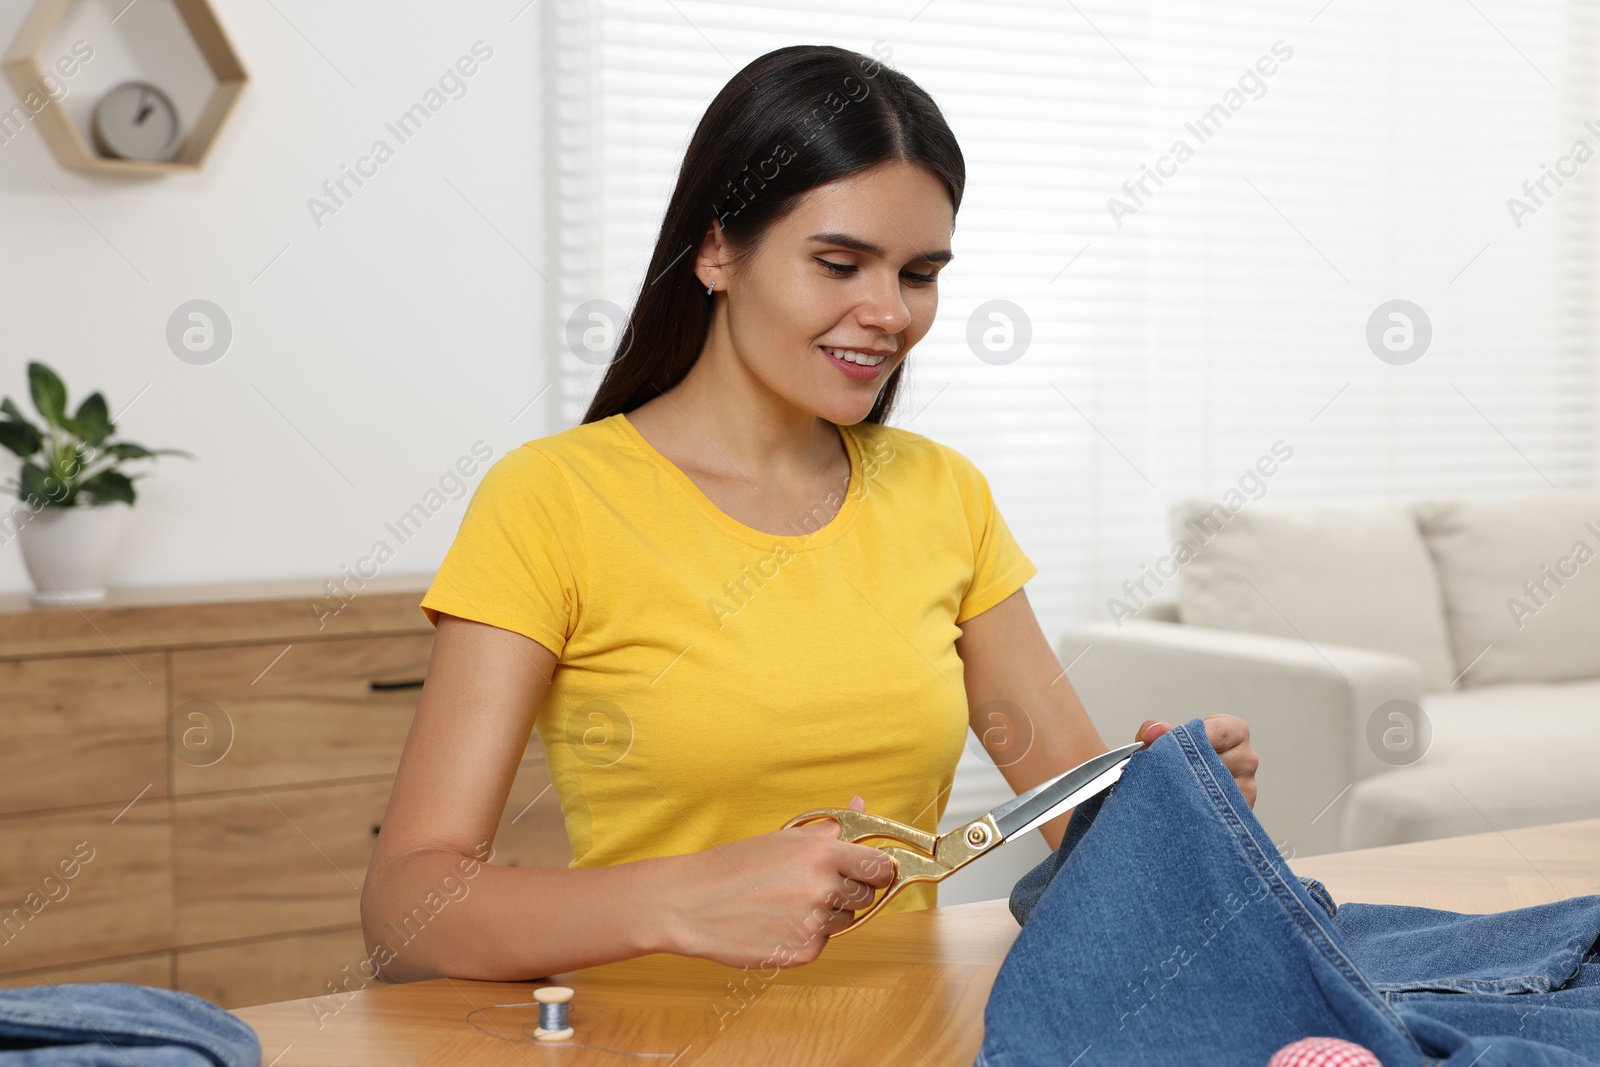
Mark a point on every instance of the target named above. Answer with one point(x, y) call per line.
point(135, 120)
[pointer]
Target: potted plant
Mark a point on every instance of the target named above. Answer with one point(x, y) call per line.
point(72, 492)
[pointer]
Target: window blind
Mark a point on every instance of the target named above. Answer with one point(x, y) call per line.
point(1192, 310)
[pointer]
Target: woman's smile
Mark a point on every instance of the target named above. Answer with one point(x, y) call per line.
point(858, 364)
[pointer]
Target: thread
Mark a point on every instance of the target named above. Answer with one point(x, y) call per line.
point(554, 1024)
point(552, 1002)
point(552, 1017)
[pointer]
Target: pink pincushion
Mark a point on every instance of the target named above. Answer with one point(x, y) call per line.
point(1323, 1052)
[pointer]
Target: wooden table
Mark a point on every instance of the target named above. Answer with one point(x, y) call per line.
point(906, 989)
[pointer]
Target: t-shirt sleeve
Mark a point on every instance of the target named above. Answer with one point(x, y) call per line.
point(999, 566)
point(518, 559)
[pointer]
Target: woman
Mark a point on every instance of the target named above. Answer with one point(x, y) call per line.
point(733, 593)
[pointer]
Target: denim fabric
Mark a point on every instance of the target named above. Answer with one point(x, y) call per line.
point(1529, 950)
point(116, 1024)
point(1167, 928)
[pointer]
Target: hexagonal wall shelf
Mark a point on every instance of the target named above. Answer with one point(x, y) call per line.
point(31, 75)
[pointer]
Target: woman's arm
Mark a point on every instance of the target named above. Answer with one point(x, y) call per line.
point(1030, 720)
point(483, 689)
point(741, 903)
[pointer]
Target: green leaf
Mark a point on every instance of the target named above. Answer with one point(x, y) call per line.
point(109, 485)
point(49, 393)
point(9, 407)
point(21, 438)
point(33, 483)
point(129, 450)
point(93, 421)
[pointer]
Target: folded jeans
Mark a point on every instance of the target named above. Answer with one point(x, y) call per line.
point(114, 1024)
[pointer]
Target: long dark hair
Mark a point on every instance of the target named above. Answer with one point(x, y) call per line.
point(793, 119)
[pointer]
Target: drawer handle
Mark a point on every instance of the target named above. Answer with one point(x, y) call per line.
point(383, 687)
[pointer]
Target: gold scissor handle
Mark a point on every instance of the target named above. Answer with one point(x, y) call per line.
point(939, 855)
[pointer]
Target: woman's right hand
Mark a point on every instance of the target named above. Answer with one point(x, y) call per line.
point(775, 898)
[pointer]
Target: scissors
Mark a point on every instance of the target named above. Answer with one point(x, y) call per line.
point(938, 856)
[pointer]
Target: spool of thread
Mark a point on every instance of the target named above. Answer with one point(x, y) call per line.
point(552, 1013)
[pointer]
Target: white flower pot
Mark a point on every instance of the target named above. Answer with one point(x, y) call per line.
point(68, 551)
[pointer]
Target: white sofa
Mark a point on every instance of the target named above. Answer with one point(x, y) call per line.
point(1327, 629)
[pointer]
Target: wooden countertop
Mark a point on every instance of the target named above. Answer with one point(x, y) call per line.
point(208, 614)
point(907, 988)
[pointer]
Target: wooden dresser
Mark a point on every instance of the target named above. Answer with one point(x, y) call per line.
point(192, 780)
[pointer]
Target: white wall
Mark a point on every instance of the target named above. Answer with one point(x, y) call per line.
point(367, 359)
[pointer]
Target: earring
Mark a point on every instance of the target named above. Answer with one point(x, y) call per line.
point(710, 287)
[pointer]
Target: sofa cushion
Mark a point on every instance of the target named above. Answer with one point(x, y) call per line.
point(1502, 756)
point(1358, 576)
point(1521, 583)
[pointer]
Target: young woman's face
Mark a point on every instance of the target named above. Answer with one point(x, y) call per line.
point(841, 289)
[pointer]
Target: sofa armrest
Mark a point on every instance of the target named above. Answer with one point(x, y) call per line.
point(1307, 707)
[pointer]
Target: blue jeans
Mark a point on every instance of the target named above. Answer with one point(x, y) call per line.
point(1167, 929)
point(115, 1024)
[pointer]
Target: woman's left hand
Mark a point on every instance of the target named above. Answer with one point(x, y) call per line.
point(1230, 736)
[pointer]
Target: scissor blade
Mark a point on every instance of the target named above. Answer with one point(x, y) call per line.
point(1067, 790)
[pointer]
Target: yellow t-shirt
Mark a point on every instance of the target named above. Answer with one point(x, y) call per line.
point(713, 680)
